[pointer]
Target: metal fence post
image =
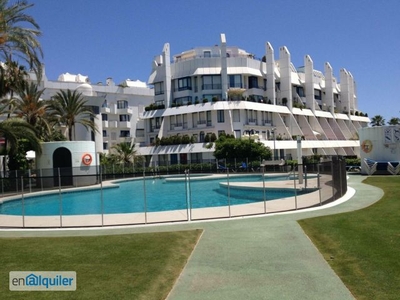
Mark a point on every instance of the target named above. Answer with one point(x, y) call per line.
point(187, 195)
point(264, 194)
point(144, 193)
point(41, 179)
point(190, 195)
point(101, 196)
point(319, 184)
point(295, 188)
point(16, 181)
point(229, 192)
point(23, 201)
point(30, 181)
point(60, 196)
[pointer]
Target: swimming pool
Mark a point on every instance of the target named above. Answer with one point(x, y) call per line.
point(151, 195)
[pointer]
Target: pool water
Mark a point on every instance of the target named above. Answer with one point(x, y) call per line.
point(145, 195)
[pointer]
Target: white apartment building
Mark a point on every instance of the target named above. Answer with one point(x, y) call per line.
point(117, 107)
point(210, 90)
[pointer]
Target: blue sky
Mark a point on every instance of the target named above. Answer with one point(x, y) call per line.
point(119, 38)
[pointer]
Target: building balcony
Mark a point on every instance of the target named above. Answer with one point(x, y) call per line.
point(104, 124)
point(202, 124)
point(125, 111)
point(211, 86)
point(113, 124)
point(268, 123)
point(123, 139)
point(105, 110)
point(155, 129)
point(252, 121)
point(124, 124)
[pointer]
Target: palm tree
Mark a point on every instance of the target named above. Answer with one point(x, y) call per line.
point(394, 121)
point(30, 107)
point(16, 39)
point(12, 76)
point(69, 107)
point(15, 129)
point(125, 152)
point(378, 120)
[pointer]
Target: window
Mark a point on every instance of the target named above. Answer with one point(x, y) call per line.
point(184, 84)
point(158, 123)
point(159, 88)
point(235, 81)
point(207, 53)
point(236, 115)
point(317, 94)
point(124, 133)
point(105, 133)
point(211, 82)
point(124, 118)
point(139, 132)
point(182, 101)
point(202, 136)
point(221, 116)
point(238, 134)
point(253, 82)
point(104, 117)
point(208, 117)
point(210, 97)
point(300, 91)
point(122, 104)
point(196, 157)
point(105, 146)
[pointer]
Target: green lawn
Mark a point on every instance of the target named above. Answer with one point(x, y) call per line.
point(132, 266)
point(363, 247)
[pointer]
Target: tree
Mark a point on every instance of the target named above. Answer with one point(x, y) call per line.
point(125, 152)
point(29, 106)
point(69, 107)
point(14, 129)
point(16, 38)
point(394, 121)
point(231, 148)
point(378, 120)
point(12, 76)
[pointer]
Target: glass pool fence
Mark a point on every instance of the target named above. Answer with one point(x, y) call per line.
point(165, 193)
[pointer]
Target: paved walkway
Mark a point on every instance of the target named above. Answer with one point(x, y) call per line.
point(266, 257)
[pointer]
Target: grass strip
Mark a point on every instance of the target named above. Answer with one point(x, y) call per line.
point(363, 247)
point(132, 266)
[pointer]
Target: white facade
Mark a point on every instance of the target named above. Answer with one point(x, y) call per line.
point(117, 107)
point(267, 99)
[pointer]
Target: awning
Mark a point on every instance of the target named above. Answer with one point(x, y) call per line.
point(244, 70)
point(205, 71)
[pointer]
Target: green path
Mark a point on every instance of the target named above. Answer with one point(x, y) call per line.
point(257, 258)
